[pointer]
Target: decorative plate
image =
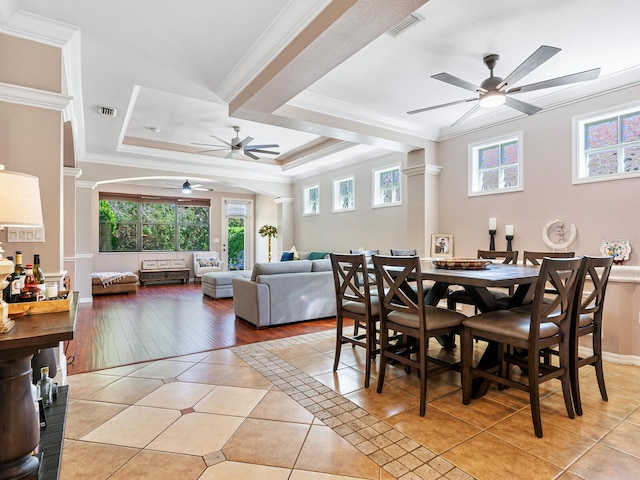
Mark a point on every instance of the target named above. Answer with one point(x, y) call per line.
point(461, 263)
point(558, 235)
point(618, 249)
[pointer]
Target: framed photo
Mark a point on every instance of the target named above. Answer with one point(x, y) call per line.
point(442, 245)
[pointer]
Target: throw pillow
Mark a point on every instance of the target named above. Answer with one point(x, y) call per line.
point(286, 257)
point(317, 255)
point(295, 253)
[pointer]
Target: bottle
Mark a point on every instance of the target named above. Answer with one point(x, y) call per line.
point(11, 278)
point(20, 272)
point(29, 293)
point(46, 391)
point(39, 276)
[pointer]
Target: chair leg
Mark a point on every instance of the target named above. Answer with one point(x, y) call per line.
point(451, 304)
point(574, 375)
point(423, 374)
point(534, 394)
point(597, 352)
point(467, 359)
point(563, 351)
point(384, 342)
point(339, 325)
point(370, 343)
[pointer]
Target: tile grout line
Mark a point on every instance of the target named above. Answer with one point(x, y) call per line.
point(391, 449)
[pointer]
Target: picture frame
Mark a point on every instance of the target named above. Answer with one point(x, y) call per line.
point(442, 245)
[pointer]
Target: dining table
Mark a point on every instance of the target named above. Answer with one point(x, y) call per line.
point(477, 282)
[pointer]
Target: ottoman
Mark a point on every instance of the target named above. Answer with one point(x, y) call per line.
point(218, 284)
point(105, 283)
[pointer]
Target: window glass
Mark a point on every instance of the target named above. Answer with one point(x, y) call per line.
point(608, 146)
point(312, 200)
point(387, 187)
point(343, 194)
point(496, 166)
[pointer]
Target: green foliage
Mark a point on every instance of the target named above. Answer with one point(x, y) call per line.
point(268, 231)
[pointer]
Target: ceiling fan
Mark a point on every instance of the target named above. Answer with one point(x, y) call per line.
point(240, 146)
point(496, 91)
point(187, 188)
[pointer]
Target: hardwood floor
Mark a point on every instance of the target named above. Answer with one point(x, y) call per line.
point(163, 321)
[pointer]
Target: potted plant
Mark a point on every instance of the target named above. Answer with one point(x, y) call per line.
point(270, 232)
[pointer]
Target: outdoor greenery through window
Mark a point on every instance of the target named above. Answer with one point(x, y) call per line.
point(386, 186)
point(312, 200)
point(496, 166)
point(135, 224)
point(344, 194)
point(608, 146)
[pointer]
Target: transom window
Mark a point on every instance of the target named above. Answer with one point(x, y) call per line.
point(312, 200)
point(387, 186)
point(344, 194)
point(496, 166)
point(608, 146)
point(135, 224)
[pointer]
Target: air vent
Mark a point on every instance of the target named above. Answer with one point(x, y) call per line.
point(406, 23)
point(108, 111)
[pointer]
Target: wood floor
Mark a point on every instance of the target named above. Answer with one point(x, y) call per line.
point(163, 321)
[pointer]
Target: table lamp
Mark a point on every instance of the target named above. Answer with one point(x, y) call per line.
point(19, 207)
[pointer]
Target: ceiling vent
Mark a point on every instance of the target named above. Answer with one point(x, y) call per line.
point(404, 24)
point(108, 111)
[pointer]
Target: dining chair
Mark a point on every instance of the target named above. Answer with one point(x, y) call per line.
point(588, 306)
point(372, 279)
point(354, 301)
point(526, 332)
point(535, 259)
point(409, 252)
point(501, 295)
point(414, 320)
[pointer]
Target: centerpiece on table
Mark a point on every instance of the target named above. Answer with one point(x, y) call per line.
point(270, 232)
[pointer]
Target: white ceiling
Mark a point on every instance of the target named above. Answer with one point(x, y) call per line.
point(338, 93)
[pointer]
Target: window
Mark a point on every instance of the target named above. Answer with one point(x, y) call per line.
point(135, 224)
point(312, 200)
point(344, 194)
point(386, 187)
point(608, 146)
point(496, 166)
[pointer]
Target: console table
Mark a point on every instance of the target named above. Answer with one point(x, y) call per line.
point(166, 275)
point(19, 428)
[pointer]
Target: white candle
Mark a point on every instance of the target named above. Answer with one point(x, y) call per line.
point(508, 230)
point(492, 223)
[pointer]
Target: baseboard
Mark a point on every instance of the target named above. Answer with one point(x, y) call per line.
point(613, 357)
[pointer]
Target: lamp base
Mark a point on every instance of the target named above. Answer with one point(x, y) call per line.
point(6, 324)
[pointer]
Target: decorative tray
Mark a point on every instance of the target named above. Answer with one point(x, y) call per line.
point(46, 306)
point(461, 263)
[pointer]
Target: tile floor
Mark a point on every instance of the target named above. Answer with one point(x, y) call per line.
point(276, 410)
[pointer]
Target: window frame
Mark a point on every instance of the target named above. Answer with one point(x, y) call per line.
point(174, 202)
point(473, 177)
point(580, 166)
point(336, 193)
point(306, 201)
point(376, 191)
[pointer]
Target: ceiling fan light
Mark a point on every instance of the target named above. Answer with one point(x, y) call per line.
point(492, 99)
point(186, 187)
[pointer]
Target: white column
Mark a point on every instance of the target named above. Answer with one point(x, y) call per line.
point(285, 224)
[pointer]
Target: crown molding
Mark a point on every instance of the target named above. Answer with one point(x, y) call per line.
point(14, 21)
point(428, 169)
point(72, 172)
point(33, 97)
point(283, 200)
point(86, 184)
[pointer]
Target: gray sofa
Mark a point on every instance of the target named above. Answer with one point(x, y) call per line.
point(285, 292)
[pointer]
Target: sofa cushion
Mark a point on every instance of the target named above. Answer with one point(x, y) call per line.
point(286, 257)
point(318, 255)
point(323, 265)
point(300, 266)
point(295, 253)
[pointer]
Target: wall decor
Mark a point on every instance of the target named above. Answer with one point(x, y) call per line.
point(557, 235)
point(618, 249)
point(25, 234)
point(442, 245)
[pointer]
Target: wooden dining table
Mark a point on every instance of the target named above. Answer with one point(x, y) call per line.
point(477, 284)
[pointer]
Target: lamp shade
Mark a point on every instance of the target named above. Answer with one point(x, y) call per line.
point(20, 204)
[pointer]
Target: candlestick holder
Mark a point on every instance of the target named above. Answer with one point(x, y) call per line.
point(509, 245)
point(492, 240)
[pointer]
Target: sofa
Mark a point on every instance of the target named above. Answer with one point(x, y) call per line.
point(205, 262)
point(285, 292)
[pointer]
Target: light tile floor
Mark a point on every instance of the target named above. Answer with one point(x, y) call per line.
point(276, 410)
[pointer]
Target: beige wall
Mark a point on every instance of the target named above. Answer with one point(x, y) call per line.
point(30, 64)
point(600, 210)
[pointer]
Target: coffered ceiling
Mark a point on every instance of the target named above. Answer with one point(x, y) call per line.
point(320, 78)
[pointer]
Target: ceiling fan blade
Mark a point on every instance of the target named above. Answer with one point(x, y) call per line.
point(419, 110)
point(193, 187)
point(209, 145)
point(537, 58)
point(221, 140)
point(244, 142)
point(256, 147)
point(229, 155)
point(458, 82)
point(269, 152)
point(556, 82)
point(521, 106)
point(201, 189)
point(466, 115)
point(251, 155)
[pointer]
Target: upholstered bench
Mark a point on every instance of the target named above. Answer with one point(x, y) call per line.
point(104, 283)
point(218, 284)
